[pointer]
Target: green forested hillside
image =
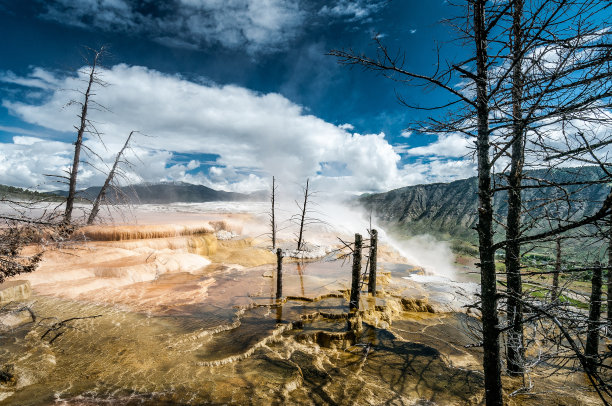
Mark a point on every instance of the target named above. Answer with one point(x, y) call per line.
point(11, 192)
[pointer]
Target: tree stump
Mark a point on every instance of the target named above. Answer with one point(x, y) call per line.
point(354, 303)
point(279, 273)
point(373, 253)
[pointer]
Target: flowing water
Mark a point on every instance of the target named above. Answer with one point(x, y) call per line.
point(184, 318)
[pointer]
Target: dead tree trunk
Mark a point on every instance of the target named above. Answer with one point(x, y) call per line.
point(109, 179)
point(373, 253)
point(591, 349)
point(555, 285)
point(515, 351)
point(488, 279)
point(79, 141)
point(279, 273)
point(609, 294)
point(355, 285)
point(273, 214)
point(303, 217)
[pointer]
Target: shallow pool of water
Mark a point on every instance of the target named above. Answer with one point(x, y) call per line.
point(225, 339)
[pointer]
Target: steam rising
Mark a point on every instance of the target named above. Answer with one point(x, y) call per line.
point(434, 256)
point(342, 219)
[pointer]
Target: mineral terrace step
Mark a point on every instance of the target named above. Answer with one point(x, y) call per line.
point(11, 291)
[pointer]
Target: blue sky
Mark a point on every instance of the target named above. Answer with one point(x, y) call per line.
point(228, 92)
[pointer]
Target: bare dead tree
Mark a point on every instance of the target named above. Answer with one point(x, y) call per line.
point(592, 342)
point(356, 274)
point(85, 125)
point(563, 345)
point(510, 96)
point(609, 293)
point(308, 215)
point(279, 273)
point(109, 180)
point(515, 349)
point(477, 34)
point(372, 260)
point(488, 279)
point(302, 216)
point(542, 92)
point(273, 226)
point(555, 288)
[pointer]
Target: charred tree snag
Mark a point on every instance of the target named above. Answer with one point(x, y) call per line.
point(279, 273)
point(372, 259)
point(515, 349)
point(591, 350)
point(488, 278)
point(609, 294)
point(355, 283)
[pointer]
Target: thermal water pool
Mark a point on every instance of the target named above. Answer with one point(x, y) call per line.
point(225, 339)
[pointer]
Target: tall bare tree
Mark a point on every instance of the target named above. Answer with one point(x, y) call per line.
point(476, 34)
point(84, 123)
point(515, 348)
point(554, 78)
point(273, 225)
point(302, 217)
point(592, 341)
point(557, 271)
point(609, 293)
point(488, 278)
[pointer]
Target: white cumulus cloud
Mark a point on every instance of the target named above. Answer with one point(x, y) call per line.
point(253, 135)
point(451, 145)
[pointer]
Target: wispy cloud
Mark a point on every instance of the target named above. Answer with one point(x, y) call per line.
point(449, 146)
point(253, 25)
point(38, 78)
point(19, 131)
point(353, 9)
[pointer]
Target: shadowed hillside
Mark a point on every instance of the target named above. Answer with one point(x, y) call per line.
point(450, 209)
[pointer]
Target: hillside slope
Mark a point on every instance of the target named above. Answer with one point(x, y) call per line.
point(164, 193)
point(450, 209)
point(16, 193)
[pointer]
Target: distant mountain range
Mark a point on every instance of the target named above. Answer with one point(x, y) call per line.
point(157, 193)
point(16, 193)
point(449, 210)
point(167, 192)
